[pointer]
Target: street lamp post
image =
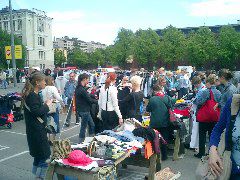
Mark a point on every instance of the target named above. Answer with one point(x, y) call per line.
point(12, 46)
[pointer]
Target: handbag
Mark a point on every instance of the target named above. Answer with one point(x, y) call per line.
point(51, 126)
point(52, 108)
point(206, 113)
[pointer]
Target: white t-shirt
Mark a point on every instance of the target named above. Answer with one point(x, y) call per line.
point(112, 103)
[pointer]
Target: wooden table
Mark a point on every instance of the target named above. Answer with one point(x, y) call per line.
point(61, 171)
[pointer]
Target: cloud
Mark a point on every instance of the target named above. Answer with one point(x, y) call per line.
point(79, 24)
point(215, 8)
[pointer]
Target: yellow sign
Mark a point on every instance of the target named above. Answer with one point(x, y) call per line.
point(18, 52)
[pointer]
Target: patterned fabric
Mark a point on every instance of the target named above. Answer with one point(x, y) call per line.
point(107, 173)
point(236, 140)
point(61, 149)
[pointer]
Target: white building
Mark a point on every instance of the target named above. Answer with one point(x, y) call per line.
point(68, 44)
point(34, 28)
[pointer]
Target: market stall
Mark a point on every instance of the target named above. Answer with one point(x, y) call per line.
point(101, 155)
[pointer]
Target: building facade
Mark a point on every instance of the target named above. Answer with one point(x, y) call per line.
point(34, 28)
point(69, 43)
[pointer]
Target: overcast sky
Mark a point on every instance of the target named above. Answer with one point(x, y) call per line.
point(100, 20)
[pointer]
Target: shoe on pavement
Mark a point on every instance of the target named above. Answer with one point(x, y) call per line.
point(77, 123)
point(198, 156)
point(67, 124)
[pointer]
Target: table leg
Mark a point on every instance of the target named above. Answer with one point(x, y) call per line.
point(152, 167)
point(50, 172)
point(176, 147)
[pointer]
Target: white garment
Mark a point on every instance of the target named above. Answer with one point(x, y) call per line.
point(3, 76)
point(51, 92)
point(112, 104)
point(195, 130)
point(60, 83)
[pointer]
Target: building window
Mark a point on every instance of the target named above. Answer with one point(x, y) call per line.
point(19, 25)
point(41, 41)
point(42, 55)
point(40, 25)
point(5, 24)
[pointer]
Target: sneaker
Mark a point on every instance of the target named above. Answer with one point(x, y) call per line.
point(77, 123)
point(198, 156)
point(67, 124)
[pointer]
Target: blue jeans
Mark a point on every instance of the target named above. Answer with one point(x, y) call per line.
point(86, 120)
point(56, 120)
point(39, 168)
point(4, 84)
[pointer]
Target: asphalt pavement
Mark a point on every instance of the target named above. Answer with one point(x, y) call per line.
point(16, 163)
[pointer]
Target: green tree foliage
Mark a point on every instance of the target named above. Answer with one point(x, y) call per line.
point(146, 46)
point(5, 40)
point(123, 46)
point(79, 58)
point(229, 47)
point(173, 45)
point(97, 57)
point(202, 47)
point(59, 57)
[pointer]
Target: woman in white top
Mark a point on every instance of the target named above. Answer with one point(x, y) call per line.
point(108, 104)
point(51, 92)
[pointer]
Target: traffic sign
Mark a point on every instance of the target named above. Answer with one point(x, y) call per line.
point(18, 52)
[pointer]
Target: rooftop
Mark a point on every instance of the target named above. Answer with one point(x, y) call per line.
point(215, 29)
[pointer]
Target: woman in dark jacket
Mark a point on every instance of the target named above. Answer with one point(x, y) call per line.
point(133, 101)
point(36, 133)
point(159, 106)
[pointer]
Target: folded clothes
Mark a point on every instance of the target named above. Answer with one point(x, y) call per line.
point(104, 139)
point(125, 136)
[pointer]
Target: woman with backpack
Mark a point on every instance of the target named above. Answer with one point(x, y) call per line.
point(159, 106)
point(202, 97)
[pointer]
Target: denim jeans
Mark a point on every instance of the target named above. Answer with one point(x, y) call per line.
point(86, 120)
point(39, 168)
point(70, 107)
point(4, 84)
point(56, 120)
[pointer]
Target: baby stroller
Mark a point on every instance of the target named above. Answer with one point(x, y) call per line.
point(6, 109)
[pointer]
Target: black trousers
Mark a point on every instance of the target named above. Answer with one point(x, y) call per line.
point(203, 129)
point(164, 131)
point(110, 120)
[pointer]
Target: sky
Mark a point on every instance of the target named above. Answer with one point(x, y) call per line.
point(100, 20)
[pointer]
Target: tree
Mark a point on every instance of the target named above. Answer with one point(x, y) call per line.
point(229, 47)
point(202, 47)
point(59, 57)
point(97, 57)
point(5, 40)
point(79, 58)
point(146, 47)
point(173, 45)
point(123, 46)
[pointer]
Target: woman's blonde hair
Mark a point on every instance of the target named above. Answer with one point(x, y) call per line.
point(211, 79)
point(136, 80)
point(49, 81)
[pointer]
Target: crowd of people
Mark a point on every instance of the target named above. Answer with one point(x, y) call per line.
point(102, 101)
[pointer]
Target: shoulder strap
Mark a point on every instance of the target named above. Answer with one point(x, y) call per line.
point(38, 118)
point(107, 99)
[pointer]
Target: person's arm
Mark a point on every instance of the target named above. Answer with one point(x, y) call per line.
point(113, 95)
point(221, 125)
point(201, 97)
point(56, 95)
point(86, 96)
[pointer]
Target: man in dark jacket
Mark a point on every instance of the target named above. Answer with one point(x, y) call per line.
point(159, 106)
point(83, 105)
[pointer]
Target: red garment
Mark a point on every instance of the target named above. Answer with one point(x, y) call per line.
point(148, 150)
point(160, 94)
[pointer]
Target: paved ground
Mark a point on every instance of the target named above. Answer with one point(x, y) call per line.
point(15, 161)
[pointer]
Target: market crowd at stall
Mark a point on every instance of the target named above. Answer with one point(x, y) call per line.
point(127, 113)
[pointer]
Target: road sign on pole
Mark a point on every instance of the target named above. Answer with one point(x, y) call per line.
point(18, 52)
